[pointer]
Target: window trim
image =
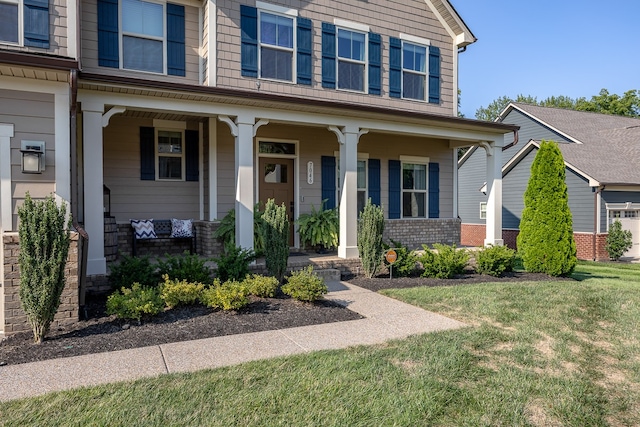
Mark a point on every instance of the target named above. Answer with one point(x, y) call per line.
point(163, 39)
point(483, 210)
point(413, 41)
point(420, 161)
point(287, 13)
point(182, 155)
point(353, 28)
point(20, 4)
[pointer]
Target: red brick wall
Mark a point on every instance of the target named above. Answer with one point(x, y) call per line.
point(472, 235)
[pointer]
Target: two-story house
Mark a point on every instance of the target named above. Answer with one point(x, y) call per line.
point(187, 109)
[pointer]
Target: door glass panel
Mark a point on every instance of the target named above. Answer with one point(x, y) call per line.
point(275, 173)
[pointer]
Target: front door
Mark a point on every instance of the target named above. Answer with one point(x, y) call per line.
point(276, 182)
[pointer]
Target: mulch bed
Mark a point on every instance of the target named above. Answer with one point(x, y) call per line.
point(102, 333)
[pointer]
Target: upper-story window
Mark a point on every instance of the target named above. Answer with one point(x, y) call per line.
point(25, 22)
point(276, 46)
point(414, 71)
point(351, 60)
point(142, 35)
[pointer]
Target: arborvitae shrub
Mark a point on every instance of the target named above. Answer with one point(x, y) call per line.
point(305, 285)
point(261, 286)
point(44, 246)
point(135, 302)
point(275, 231)
point(180, 292)
point(495, 260)
point(445, 262)
point(546, 241)
point(618, 241)
point(130, 270)
point(189, 267)
point(370, 229)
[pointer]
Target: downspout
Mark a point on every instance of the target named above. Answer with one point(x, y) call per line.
point(595, 222)
point(515, 141)
point(83, 239)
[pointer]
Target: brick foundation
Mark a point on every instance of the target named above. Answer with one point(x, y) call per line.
point(473, 235)
point(413, 233)
point(15, 320)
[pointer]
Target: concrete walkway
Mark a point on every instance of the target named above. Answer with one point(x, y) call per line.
point(385, 319)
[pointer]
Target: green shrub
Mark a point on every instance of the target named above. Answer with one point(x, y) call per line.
point(226, 231)
point(44, 246)
point(370, 229)
point(135, 302)
point(495, 260)
point(189, 267)
point(319, 228)
point(305, 285)
point(546, 241)
point(132, 270)
point(276, 237)
point(445, 262)
point(618, 240)
point(261, 286)
point(230, 295)
point(407, 262)
point(180, 292)
point(234, 263)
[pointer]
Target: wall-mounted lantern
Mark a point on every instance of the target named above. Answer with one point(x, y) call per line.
point(33, 159)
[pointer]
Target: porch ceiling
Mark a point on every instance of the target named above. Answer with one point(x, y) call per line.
point(34, 73)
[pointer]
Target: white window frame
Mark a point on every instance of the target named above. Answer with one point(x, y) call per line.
point(353, 27)
point(180, 155)
point(286, 13)
point(424, 74)
point(20, 4)
point(163, 39)
point(414, 160)
point(483, 210)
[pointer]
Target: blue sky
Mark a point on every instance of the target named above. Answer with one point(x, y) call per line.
point(544, 48)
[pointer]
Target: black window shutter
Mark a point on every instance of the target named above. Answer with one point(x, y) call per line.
point(249, 40)
point(395, 67)
point(328, 55)
point(394, 189)
point(175, 40)
point(305, 47)
point(108, 45)
point(434, 190)
point(374, 181)
point(375, 64)
point(434, 75)
point(191, 155)
point(328, 165)
point(147, 154)
point(36, 23)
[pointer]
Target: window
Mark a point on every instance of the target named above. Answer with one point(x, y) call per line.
point(276, 46)
point(9, 31)
point(414, 190)
point(351, 60)
point(170, 153)
point(143, 36)
point(414, 71)
point(483, 210)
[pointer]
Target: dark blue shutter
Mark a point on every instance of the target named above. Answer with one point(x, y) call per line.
point(328, 55)
point(434, 190)
point(108, 46)
point(375, 63)
point(36, 23)
point(305, 47)
point(191, 158)
point(249, 40)
point(394, 189)
point(434, 75)
point(175, 40)
point(395, 67)
point(147, 154)
point(329, 181)
point(374, 181)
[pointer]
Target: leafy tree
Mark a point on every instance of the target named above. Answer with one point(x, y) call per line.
point(44, 246)
point(618, 241)
point(493, 110)
point(546, 241)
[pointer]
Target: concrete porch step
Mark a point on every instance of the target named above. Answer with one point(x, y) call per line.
point(328, 274)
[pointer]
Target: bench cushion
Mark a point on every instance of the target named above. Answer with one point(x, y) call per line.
point(143, 228)
point(181, 228)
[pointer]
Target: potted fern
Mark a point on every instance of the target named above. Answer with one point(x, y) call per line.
point(319, 228)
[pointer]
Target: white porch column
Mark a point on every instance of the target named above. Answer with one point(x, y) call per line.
point(348, 246)
point(494, 192)
point(213, 169)
point(93, 183)
point(244, 182)
point(6, 219)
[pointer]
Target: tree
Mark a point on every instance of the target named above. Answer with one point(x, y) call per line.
point(493, 110)
point(44, 246)
point(546, 241)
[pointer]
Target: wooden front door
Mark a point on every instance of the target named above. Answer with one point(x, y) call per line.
point(276, 182)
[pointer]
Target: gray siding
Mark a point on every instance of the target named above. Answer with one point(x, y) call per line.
point(581, 201)
point(471, 176)
point(615, 197)
point(530, 129)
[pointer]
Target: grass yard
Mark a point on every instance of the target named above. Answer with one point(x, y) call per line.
point(536, 354)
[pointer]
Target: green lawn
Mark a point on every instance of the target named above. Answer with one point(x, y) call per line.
point(537, 354)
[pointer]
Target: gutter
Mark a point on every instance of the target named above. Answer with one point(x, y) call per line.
point(515, 141)
point(595, 221)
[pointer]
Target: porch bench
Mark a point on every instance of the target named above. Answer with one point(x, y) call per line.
point(162, 228)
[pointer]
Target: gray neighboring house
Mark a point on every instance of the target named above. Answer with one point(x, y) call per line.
point(601, 154)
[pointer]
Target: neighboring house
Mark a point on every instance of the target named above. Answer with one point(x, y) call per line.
point(601, 154)
point(187, 109)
